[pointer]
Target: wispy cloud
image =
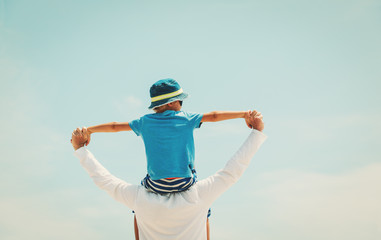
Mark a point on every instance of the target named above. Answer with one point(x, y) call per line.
point(329, 127)
point(130, 107)
point(364, 9)
point(303, 205)
point(62, 214)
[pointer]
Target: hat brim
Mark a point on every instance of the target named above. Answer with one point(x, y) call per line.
point(180, 97)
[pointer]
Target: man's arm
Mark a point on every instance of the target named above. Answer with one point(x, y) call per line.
point(212, 187)
point(118, 189)
point(217, 116)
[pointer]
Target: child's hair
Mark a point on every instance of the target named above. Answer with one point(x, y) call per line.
point(164, 108)
point(161, 108)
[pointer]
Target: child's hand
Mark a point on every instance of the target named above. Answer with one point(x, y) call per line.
point(248, 119)
point(87, 134)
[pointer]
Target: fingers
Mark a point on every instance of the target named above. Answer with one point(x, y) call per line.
point(79, 136)
point(254, 117)
point(77, 132)
point(80, 131)
point(74, 133)
point(257, 114)
point(256, 120)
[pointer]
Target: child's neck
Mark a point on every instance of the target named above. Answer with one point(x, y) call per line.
point(174, 106)
point(166, 108)
point(163, 110)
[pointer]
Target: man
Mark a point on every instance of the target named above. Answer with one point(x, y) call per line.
point(177, 215)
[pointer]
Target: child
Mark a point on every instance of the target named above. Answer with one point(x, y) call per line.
point(168, 137)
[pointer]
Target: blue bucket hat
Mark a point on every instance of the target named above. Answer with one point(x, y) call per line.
point(165, 91)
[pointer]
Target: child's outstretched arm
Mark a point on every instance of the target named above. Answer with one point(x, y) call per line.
point(108, 127)
point(217, 116)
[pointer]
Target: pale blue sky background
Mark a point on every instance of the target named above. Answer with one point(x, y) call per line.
point(312, 68)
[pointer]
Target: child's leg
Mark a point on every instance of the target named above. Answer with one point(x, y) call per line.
point(207, 224)
point(168, 185)
point(136, 230)
point(207, 229)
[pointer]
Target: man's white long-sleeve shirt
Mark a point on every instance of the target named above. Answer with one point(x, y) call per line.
point(176, 215)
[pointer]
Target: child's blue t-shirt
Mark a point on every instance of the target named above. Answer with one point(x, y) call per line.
point(169, 143)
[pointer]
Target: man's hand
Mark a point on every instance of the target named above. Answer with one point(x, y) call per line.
point(79, 138)
point(256, 121)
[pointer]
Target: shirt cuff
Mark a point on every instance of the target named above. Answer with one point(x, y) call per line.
point(261, 134)
point(81, 152)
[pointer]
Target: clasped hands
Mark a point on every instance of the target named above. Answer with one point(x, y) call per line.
point(254, 119)
point(79, 138)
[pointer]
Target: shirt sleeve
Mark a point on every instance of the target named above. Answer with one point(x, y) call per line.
point(118, 189)
point(136, 126)
point(194, 119)
point(212, 187)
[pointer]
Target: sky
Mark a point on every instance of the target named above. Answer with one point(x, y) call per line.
point(311, 67)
